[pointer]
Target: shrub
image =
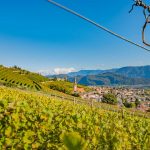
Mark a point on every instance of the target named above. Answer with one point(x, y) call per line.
point(137, 103)
point(76, 94)
point(127, 104)
point(110, 99)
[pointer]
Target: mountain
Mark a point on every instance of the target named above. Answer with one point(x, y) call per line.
point(85, 73)
point(89, 72)
point(112, 79)
point(135, 72)
point(139, 75)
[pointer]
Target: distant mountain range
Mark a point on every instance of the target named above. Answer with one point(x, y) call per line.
point(112, 79)
point(89, 72)
point(121, 76)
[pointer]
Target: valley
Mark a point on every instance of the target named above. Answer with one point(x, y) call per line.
point(37, 112)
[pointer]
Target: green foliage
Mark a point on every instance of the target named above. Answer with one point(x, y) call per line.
point(75, 94)
point(64, 86)
point(127, 104)
point(73, 141)
point(137, 103)
point(110, 99)
point(8, 84)
point(16, 67)
point(29, 120)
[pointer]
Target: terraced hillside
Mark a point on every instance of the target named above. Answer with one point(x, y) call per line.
point(16, 77)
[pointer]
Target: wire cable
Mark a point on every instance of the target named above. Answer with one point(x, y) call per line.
point(96, 24)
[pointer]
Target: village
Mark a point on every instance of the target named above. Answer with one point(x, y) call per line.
point(130, 95)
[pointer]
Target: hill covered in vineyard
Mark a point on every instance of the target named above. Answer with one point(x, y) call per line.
point(23, 79)
point(17, 77)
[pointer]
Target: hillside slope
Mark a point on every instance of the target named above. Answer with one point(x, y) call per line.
point(65, 87)
point(16, 77)
point(135, 72)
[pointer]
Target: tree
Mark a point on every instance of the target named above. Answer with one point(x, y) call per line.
point(127, 104)
point(110, 99)
point(65, 78)
point(55, 78)
point(137, 102)
point(16, 67)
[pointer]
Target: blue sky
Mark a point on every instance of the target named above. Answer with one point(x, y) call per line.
point(39, 36)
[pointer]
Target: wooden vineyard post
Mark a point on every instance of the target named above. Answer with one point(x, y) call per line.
point(123, 113)
point(74, 101)
point(92, 103)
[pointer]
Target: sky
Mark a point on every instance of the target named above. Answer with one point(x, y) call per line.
point(40, 37)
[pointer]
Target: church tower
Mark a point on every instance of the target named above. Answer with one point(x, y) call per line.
point(75, 85)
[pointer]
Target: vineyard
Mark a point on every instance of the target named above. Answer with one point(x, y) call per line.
point(64, 86)
point(18, 78)
point(30, 120)
point(23, 79)
point(15, 77)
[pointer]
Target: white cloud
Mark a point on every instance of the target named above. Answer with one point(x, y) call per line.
point(63, 70)
point(56, 71)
